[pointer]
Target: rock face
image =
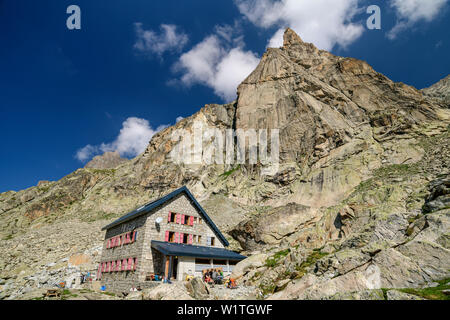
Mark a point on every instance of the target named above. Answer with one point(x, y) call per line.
point(439, 198)
point(108, 160)
point(440, 91)
point(359, 203)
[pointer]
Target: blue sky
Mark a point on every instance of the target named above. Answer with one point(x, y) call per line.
point(136, 66)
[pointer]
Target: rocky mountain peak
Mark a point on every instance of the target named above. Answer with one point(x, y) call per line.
point(291, 38)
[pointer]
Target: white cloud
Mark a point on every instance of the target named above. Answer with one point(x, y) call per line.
point(323, 22)
point(219, 62)
point(86, 153)
point(151, 42)
point(410, 12)
point(132, 140)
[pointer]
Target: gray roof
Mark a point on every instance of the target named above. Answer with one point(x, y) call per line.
point(187, 250)
point(154, 204)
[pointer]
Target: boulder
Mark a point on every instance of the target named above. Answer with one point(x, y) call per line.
point(197, 288)
point(174, 291)
point(255, 261)
point(137, 295)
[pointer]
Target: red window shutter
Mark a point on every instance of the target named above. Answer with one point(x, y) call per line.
point(130, 263)
point(135, 263)
point(178, 218)
point(127, 238)
point(182, 219)
point(168, 218)
point(134, 237)
point(167, 236)
point(124, 263)
point(191, 237)
point(181, 237)
point(108, 243)
point(177, 237)
point(191, 220)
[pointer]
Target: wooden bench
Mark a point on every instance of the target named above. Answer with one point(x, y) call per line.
point(53, 293)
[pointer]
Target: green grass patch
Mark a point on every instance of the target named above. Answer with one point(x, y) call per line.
point(384, 290)
point(315, 256)
point(8, 237)
point(383, 174)
point(435, 293)
point(109, 293)
point(267, 289)
point(272, 261)
point(230, 172)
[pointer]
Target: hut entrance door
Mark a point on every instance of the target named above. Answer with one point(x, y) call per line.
point(175, 268)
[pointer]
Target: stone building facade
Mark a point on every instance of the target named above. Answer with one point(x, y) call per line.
point(171, 237)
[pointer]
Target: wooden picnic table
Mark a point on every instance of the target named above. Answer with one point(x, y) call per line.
point(53, 293)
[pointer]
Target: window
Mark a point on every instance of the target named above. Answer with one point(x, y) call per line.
point(202, 264)
point(185, 238)
point(203, 261)
point(172, 217)
point(199, 239)
point(210, 241)
point(171, 237)
point(219, 263)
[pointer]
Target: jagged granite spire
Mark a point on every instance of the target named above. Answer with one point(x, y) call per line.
point(290, 38)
